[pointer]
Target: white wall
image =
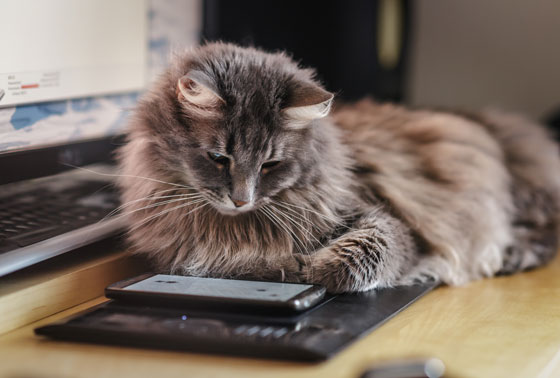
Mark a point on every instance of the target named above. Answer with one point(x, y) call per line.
point(478, 53)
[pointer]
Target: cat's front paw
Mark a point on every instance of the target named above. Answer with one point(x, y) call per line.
point(342, 268)
point(294, 269)
point(312, 272)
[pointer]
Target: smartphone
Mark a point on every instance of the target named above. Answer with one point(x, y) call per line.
point(163, 289)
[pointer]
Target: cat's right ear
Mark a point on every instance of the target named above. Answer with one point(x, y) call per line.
point(198, 95)
point(306, 102)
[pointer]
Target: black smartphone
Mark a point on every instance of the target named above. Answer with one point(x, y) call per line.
point(163, 289)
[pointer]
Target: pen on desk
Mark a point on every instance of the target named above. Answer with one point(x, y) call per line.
point(410, 368)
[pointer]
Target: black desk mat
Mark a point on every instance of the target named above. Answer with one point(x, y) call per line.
point(315, 335)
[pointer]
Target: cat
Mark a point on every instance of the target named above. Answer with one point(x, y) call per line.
point(236, 167)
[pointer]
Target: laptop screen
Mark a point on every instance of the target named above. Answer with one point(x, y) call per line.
point(71, 70)
point(64, 49)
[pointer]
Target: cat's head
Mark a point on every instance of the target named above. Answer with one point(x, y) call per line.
point(237, 123)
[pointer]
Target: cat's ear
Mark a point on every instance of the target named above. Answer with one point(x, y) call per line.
point(306, 102)
point(198, 94)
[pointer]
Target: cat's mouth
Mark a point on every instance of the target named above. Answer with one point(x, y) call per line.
point(231, 209)
point(235, 210)
point(224, 205)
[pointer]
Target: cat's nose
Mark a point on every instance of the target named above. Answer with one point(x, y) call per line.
point(238, 203)
point(242, 189)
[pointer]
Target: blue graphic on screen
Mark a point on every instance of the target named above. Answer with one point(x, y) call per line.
point(44, 123)
point(28, 115)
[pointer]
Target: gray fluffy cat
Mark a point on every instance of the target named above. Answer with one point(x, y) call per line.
point(233, 168)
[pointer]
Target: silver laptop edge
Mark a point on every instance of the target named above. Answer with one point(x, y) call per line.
point(26, 256)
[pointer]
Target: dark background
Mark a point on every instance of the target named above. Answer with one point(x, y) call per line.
point(336, 37)
point(465, 56)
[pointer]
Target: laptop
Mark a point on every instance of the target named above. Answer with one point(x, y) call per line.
point(68, 81)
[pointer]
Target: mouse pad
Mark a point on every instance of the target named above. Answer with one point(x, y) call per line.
point(314, 335)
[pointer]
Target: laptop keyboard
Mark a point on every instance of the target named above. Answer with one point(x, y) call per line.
point(37, 215)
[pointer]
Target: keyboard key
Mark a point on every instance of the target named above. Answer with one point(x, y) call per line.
point(267, 331)
point(38, 215)
point(240, 330)
point(251, 331)
point(280, 332)
point(28, 238)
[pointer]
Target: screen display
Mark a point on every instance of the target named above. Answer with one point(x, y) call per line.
point(60, 49)
point(219, 288)
point(73, 70)
point(57, 50)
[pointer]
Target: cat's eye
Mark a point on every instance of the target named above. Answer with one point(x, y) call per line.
point(269, 165)
point(218, 158)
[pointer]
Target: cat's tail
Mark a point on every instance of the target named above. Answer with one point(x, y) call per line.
point(533, 159)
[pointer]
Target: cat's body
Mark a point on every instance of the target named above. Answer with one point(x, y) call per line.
point(261, 185)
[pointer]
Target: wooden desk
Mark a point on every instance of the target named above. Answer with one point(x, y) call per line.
point(503, 327)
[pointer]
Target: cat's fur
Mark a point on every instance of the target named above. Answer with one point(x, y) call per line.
point(375, 195)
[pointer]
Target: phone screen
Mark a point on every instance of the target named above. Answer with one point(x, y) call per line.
point(219, 288)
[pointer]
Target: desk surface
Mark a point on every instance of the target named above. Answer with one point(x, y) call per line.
point(502, 327)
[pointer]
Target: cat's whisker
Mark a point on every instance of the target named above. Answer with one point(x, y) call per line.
point(147, 198)
point(203, 205)
point(308, 233)
point(121, 207)
point(325, 217)
point(163, 212)
point(163, 203)
point(288, 230)
point(130, 176)
point(151, 197)
point(294, 217)
point(293, 213)
point(205, 213)
point(157, 204)
point(268, 217)
point(266, 212)
point(271, 217)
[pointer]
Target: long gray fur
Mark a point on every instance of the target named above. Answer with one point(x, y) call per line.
point(373, 196)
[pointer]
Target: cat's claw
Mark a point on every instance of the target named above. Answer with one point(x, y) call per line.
point(310, 273)
point(328, 268)
point(294, 269)
point(303, 262)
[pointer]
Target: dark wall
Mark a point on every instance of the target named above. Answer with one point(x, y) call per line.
point(336, 37)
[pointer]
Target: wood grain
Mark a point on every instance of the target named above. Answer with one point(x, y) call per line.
point(41, 291)
point(502, 327)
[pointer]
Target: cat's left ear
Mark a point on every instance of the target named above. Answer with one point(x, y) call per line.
point(306, 102)
point(198, 94)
